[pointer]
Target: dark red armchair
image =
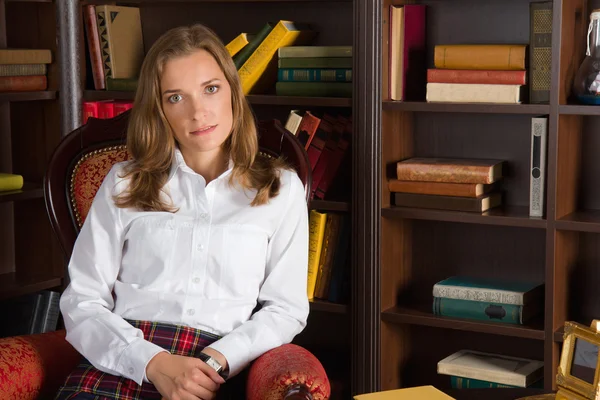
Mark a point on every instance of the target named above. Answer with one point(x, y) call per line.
point(34, 366)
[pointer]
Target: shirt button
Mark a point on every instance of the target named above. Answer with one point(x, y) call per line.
point(204, 215)
point(195, 280)
point(130, 370)
point(200, 247)
point(191, 311)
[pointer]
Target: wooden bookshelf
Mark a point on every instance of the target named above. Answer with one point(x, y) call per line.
point(327, 205)
point(29, 131)
point(328, 307)
point(418, 247)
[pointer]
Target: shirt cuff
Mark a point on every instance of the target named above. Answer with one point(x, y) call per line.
point(135, 358)
point(235, 350)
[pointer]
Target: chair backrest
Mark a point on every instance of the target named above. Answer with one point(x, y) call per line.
point(83, 158)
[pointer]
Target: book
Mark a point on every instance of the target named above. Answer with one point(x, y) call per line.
point(237, 44)
point(317, 221)
point(473, 93)
point(480, 56)
point(537, 172)
point(457, 382)
point(314, 89)
point(25, 56)
point(242, 56)
point(439, 188)
point(450, 170)
point(315, 62)
point(489, 290)
point(314, 51)
point(10, 182)
point(23, 69)
point(486, 311)
point(414, 393)
point(451, 203)
point(476, 76)
point(540, 51)
point(507, 370)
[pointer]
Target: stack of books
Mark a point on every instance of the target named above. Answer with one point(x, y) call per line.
point(24, 70)
point(477, 73)
point(454, 184)
point(492, 300)
point(323, 71)
point(469, 369)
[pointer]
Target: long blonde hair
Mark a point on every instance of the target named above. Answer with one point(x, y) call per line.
point(150, 140)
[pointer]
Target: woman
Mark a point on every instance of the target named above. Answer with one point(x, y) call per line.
point(183, 241)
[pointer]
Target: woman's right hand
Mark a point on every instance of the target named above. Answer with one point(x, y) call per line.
point(183, 378)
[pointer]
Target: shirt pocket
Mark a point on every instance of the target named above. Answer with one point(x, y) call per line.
point(150, 245)
point(245, 254)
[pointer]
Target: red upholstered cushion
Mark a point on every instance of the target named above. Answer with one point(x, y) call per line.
point(273, 372)
point(88, 175)
point(34, 366)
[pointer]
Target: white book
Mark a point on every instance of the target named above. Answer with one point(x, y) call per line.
point(489, 367)
point(473, 93)
point(537, 180)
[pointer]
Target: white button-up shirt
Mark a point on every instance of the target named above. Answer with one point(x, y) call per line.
point(204, 266)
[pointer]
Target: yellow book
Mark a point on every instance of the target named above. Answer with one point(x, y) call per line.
point(414, 393)
point(285, 33)
point(317, 223)
point(237, 44)
point(10, 182)
point(480, 56)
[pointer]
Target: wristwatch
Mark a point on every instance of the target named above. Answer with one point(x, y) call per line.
point(214, 364)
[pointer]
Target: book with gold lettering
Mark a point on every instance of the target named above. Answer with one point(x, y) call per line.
point(414, 393)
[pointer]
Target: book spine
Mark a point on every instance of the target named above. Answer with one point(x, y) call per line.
point(325, 62)
point(491, 57)
point(10, 182)
point(23, 83)
point(25, 56)
point(314, 75)
point(90, 109)
point(105, 45)
point(23, 69)
point(314, 51)
point(240, 58)
point(237, 44)
point(537, 178)
point(93, 41)
point(435, 188)
point(477, 294)
point(473, 93)
point(478, 310)
point(317, 144)
point(458, 382)
point(314, 89)
point(476, 76)
point(540, 51)
point(414, 52)
point(405, 171)
point(122, 85)
point(316, 233)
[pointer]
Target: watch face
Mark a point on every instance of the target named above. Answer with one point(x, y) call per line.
point(214, 364)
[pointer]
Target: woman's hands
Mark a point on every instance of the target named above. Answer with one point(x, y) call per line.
point(183, 378)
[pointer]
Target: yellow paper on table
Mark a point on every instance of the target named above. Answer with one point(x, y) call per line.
point(414, 393)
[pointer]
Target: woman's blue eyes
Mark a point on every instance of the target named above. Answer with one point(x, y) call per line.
point(176, 98)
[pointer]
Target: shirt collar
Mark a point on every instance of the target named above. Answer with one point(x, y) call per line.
point(179, 163)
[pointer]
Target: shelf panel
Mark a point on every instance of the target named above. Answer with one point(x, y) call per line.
point(10, 286)
point(98, 95)
point(28, 96)
point(578, 109)
point(127, 2)
point(483, 108)
point(326, 306)
point(503, 216)
point(326, 205)
point(29, 191)
point(582, 221)
point(420, 316)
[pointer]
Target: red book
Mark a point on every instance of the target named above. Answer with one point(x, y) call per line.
point(93, 42)
point(23, 83)
point(122, 106)
point(320, 169)
point(335, 161)
point(90, 109)
point(476, 76)
point(307, 129)
point(106, 109)
point(318, 142)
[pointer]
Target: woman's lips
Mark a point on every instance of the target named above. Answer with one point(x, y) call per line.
point(204, 131)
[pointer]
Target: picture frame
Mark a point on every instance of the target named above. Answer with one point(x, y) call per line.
point(578, 373)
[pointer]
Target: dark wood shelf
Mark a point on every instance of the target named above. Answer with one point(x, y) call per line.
point(421, 315)
point(504, 216)
point(11, 286)
point(137, 2)
point(327, 205)
point(28, 96)
point(559, 335)
point(98, 95)
point(483, 108)
point(29, 191)
point(326, 306)
point(578, 109)
point(582, 221)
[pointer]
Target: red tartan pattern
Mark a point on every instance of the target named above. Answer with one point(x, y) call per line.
point(180, 340)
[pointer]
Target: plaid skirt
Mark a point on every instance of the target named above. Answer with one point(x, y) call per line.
point(87, 382)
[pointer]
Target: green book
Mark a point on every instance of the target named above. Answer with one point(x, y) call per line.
point(484, 311)
point(244, 54)
point(457, 382)
point(314, 89)
point(315, 62)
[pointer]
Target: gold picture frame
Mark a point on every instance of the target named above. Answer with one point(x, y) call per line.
point(570, 385)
